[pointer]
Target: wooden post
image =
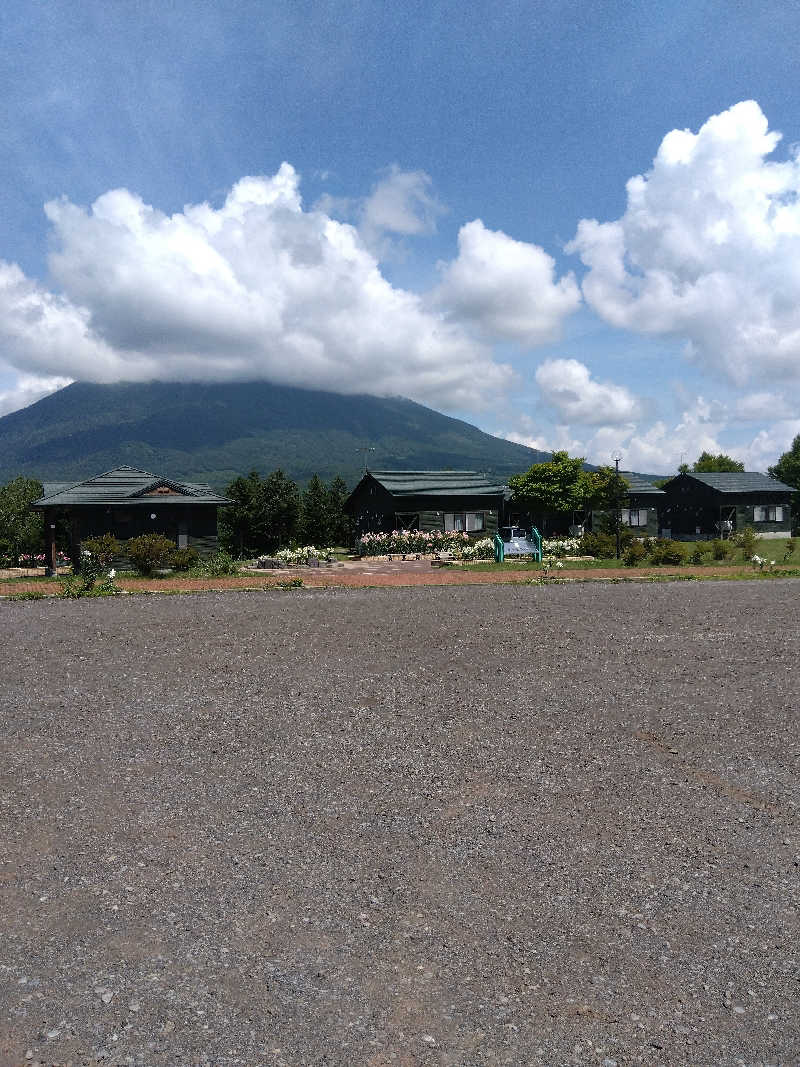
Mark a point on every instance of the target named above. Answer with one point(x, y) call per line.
point(51, 565)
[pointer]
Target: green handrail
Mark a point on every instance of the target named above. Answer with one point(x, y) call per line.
point(537, 540)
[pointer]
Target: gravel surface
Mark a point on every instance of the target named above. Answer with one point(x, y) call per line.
point(445, 826)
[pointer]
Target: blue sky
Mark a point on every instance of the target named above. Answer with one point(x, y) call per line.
point(423, 199)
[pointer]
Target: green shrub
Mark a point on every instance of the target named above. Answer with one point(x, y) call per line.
point(149, 552)
point(599, 545)
point(634, 554)
point(219, 565)
point(671, 553)
point(720, 548)
point(183, 559)
point(700, 549)
point(103, 549)
point(790, 545)
point(747, 541)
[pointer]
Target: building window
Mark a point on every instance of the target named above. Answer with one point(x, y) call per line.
point(634, 516)
point(469, 521)
point(767, 513)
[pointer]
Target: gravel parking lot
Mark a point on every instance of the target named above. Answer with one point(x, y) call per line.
point(445, 826)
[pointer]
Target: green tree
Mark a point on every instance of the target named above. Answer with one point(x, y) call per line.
point(706, 463)
point(282, 510)
point(21, 528)
point(316, 527)
point(787, 470)
point(340, 522)
point(561, 485)
point(264, 514)
point(243, 525)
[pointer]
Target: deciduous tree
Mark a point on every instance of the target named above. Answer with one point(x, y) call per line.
point(787, 470)
point(706, 463)
point(560, 486)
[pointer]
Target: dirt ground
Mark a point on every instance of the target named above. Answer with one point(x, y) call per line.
point(416, 826)
point(371, 572)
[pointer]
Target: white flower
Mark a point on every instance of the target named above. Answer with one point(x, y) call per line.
point(112, 574)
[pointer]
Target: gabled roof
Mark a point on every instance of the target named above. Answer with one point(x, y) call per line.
point(741, 482)
point(438, 483)
point(127, 485)
point(638, 484)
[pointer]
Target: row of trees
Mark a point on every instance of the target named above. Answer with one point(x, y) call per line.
point(273, 512)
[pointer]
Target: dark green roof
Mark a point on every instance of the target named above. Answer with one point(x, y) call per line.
point(640, 485)
point(438, 483)
point(126, 485)
point(741, 482)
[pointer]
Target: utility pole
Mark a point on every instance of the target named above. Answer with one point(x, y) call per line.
point(617, 503)
point(365, 449)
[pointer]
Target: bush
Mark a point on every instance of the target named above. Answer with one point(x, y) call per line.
point(149, 552)
point(599, 545)
point(720, 548)
point(219, 565)
point(103, 549)
point(634, 554)
point(746, 540)
point(183, 559)
point(700, 549)
point(671, 553)
point(790, 545)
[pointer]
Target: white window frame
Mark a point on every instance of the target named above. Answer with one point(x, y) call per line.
point(768, 513)
point(628, 515)
point(465, 521)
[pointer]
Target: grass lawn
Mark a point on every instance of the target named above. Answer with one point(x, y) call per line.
point(768, 548)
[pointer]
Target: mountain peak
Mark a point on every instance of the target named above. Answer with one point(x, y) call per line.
point(214, 432)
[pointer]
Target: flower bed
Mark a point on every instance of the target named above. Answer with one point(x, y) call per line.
point(299, 556)
point(405, 541)
point(561, 546)
point(27, 559)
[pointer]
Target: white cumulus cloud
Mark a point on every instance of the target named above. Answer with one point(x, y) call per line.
point(708, 248)
point(567, 386)
point(506, 288)
point(402, 202)
point(257, 288)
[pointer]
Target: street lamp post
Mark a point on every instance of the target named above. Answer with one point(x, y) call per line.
point(365, 449)
point(617, 501)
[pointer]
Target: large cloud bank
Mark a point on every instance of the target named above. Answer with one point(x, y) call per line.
point(258, 288)
point(708, 248)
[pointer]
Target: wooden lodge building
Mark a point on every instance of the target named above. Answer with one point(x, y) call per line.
point(642, 504)
point(704, 506)
point(427, 500)
point(127, 502)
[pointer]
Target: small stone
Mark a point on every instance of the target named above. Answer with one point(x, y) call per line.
point(738, 1009)
point(134, 1005)
point(107, 997)
point(429, 1039)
